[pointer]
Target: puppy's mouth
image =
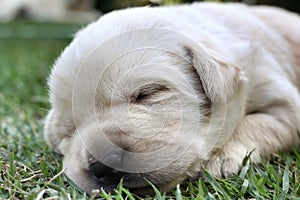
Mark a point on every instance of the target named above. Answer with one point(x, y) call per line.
point(134, 185)
point(137, 184)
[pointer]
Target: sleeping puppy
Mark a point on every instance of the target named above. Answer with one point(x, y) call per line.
point(157, 94)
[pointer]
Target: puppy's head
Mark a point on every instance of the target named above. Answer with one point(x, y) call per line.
point(142, 105)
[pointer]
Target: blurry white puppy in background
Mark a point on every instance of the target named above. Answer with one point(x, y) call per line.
point(155, 94)
point(48, 10)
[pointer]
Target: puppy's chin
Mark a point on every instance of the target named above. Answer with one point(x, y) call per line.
point(138, 184)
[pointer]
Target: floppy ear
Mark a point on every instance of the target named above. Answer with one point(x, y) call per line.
point(57, 132)
point(220, 80)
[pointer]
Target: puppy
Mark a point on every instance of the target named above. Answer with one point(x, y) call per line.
point(156, 94)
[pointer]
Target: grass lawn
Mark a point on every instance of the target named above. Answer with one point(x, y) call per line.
point(30, 170)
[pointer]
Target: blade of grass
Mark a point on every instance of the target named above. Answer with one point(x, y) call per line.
point(218, 188)
point(178, 193)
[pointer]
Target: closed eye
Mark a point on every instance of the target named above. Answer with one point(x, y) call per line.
point(147, 91)
point(141, 96)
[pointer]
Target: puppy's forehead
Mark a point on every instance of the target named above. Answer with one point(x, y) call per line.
point(121, 32)
point(110, 51)
point(129, 58)
point(124, 74)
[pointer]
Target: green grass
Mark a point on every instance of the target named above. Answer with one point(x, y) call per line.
point(30, 170)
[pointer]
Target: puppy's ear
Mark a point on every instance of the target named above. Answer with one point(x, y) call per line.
point(220, 80)
point(57, 132)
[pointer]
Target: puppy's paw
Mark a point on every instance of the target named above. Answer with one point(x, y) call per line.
point(224, 164)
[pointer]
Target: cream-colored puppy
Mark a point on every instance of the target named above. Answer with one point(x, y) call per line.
point(155, 94)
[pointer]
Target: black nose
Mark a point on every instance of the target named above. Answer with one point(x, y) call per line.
point(107, 167)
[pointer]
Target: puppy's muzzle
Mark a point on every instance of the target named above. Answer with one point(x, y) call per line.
point(106, 171)
point(108, 175)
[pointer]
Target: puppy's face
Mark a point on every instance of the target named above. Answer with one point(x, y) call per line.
point(137, 109)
